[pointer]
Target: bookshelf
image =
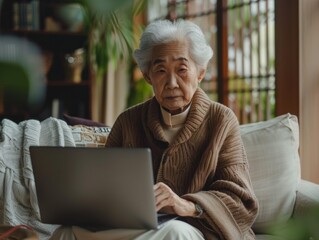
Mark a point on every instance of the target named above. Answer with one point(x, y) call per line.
point(63, 47)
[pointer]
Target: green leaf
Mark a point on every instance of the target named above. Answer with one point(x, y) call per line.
point(110, 24)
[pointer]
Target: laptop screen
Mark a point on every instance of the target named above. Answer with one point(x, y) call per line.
point(95, 187)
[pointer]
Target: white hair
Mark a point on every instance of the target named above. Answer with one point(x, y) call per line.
point(164, 31)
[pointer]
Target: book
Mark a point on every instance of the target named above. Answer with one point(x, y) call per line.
point(16, 14)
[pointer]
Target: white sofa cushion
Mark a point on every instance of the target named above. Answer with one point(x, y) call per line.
point(272, 151)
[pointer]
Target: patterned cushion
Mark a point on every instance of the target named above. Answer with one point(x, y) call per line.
point(272, 151)
point(89, 136)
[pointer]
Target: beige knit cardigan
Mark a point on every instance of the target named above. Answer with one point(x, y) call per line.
point(206, 163)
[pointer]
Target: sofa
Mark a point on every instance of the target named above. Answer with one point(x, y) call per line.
point(288, 204)
point(285, 199)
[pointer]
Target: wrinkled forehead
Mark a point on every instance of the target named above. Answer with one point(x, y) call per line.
point(170, 50)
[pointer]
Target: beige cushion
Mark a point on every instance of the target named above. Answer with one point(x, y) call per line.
point(272, 151)
point(89, 136)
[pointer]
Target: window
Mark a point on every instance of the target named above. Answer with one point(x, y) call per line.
point(241, 74)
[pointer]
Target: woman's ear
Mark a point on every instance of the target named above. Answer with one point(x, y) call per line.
point(147, 78)
point(201, 75)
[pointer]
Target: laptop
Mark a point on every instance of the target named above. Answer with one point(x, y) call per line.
point(101, 188)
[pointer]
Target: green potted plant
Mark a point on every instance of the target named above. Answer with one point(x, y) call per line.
point(110, 30)
point(304, 225)
point(111, 34)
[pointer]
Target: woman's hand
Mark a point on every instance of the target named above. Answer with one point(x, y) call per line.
point(169, 202)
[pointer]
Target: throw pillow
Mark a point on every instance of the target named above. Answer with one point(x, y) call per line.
point(272, 151)
point(71, 120)
point(88, 136)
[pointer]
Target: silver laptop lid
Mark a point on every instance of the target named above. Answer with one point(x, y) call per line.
point(97, 187)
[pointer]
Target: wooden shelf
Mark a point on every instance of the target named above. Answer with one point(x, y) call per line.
point(83, 83)
point(54, 41)
point(44, 32)
point(73, 98)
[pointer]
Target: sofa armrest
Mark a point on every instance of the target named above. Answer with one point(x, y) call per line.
point(307, 197)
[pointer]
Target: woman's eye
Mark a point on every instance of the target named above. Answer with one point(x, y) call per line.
point(182, 70)
point(161, 70)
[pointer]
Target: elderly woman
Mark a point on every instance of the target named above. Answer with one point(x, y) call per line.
point(199, 161)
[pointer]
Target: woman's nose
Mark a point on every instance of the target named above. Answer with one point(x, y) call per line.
point(171, 81)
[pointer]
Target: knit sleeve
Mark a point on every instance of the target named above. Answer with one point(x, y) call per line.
point(115, 138)
point(127, 129)
point(228, 200)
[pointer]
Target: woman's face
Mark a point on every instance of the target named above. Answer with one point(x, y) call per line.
point(173, 75)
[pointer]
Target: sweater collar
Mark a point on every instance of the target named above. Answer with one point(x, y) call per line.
point(197, 112)
point(199, 108)
point(174, 120)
